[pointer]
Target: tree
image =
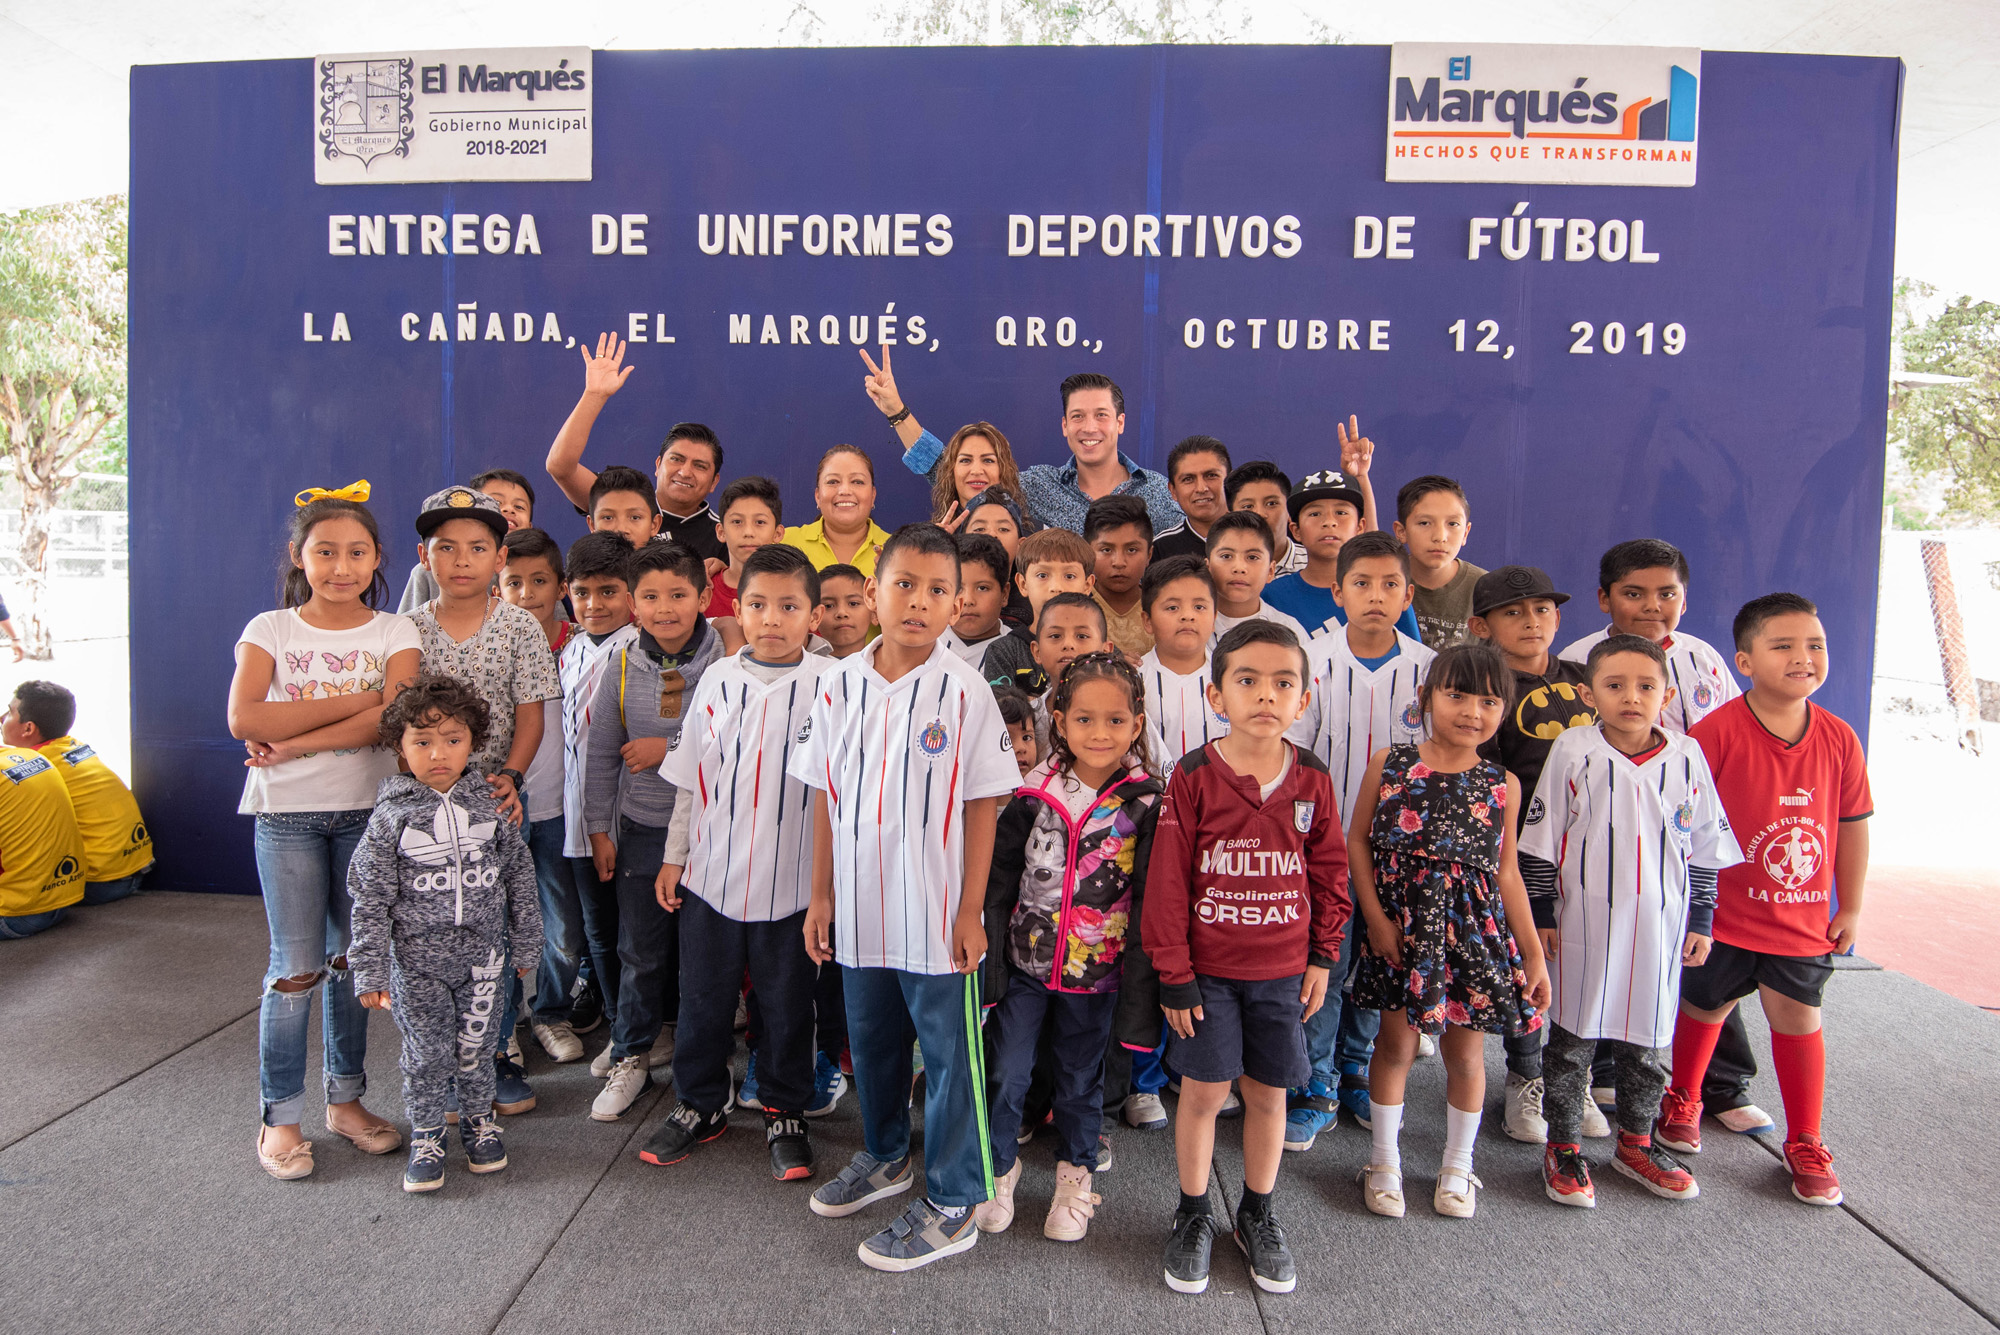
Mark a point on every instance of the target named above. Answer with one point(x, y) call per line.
point(1952, 431)
point(1044, 22)
point(62, 367)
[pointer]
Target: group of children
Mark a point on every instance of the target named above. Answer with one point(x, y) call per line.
point(1011, 811)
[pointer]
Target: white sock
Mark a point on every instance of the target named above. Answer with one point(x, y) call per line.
point(1388, 1125)
point(1460, 1130)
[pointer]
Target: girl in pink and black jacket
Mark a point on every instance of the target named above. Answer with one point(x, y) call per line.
point(1062, 907)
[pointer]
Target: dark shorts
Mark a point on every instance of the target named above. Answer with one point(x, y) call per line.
point(1733, 972)
point(1254, 1028)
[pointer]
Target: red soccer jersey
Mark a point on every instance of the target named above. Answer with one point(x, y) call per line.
point(1240, 886)
point(1785, 802)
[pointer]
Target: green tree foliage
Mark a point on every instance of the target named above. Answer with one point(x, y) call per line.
point(62, 366)
point(1952, 431)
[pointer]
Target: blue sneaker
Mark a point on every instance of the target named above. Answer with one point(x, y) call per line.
point(828, 1085)
point(426, 1170)
point(511, 1093)
point(746, 1094)
point(1311, 1112)
point(1354, 1094)
point(923, 1234)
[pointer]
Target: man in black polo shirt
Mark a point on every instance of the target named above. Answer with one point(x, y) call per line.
point(686, 467)
point(1196, 472)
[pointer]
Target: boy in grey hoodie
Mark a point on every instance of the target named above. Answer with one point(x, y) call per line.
point(635, 719)
point(440, 884)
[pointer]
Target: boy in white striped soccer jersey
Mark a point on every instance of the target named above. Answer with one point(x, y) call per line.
point(1643, 585)
point(1620, 850)
point(909, 751)
point(737, 868)
point(600, 594)
point(1364, 683)
point(1177, 598)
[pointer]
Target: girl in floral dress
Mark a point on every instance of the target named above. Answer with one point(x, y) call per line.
point(1431, 852)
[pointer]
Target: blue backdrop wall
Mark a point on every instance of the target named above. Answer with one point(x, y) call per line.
point(1757, 449)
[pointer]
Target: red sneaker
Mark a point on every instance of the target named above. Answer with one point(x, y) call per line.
point(1812, 1171)
point(1678, 1127)
point(1654, 1169)
point(1566, 1176)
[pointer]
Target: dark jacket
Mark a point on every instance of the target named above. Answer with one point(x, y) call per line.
point(1068, 879)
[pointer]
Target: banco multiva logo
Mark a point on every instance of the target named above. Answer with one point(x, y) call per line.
point(1558, 115)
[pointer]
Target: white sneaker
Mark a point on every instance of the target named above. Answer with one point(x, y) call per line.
point(558, 1040)
point(1595, 1125)
point(622, 1088)
point(514, 1048)
point(1749, 1120)
point(662, 1050)
point(1231, 1106)
point(1604, 1096)
point(1426, 1046)
point(1523, 1118)
point(1145, 1111)
point(600, 1065)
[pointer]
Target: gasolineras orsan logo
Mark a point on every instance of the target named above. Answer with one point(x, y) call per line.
point(365, 108)
point(1557, 114)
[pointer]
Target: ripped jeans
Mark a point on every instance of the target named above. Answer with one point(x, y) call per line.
point(302, 861)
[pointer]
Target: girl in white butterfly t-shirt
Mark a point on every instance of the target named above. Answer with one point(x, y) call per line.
point(311, 680)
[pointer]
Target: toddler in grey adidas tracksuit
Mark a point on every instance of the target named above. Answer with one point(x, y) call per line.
point(441, 883)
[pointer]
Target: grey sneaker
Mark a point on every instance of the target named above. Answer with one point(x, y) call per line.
point(1146, 1112)
point(863, 1182)
point(921, 1235)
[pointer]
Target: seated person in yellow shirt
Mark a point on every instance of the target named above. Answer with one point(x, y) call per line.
point(117, 851)
point(41, 851)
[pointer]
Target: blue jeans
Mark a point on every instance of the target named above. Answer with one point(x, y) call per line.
point(887, 1010)
point(599, 903)
point(649, 961)
point(1078, 1029)
point(1341, 1033)
point(563, 941)
point(302, 861)
point(27, 924)
point(106, 892)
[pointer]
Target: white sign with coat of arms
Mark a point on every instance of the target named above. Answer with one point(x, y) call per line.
point(513, 114)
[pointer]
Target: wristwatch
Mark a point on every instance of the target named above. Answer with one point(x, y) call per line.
point(519, 779)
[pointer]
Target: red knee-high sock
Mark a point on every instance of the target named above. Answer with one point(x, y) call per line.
point(1694, 1044)
point(1800, 1063)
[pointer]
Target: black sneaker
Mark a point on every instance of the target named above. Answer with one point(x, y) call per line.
point(791, 1151)
point(681, 1132)
point(586, 1008)
point(485, 1151)
point(426, 1170)
point(1187, 1251)
point(1264, 1243)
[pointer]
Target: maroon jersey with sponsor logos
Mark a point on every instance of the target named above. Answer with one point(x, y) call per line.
point(1241, 885)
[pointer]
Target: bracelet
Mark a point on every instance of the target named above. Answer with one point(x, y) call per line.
point(900, 416)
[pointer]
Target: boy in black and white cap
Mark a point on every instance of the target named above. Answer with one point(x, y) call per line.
point(1327, 508)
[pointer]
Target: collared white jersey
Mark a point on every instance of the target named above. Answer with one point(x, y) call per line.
point(1293, 561)
point(1355, 711)
point(1264, 612)
point(898, 761)
point(1177, 711)
point(1698, 673)
point(750, 835)
point(1622, 837)
point(578, 669)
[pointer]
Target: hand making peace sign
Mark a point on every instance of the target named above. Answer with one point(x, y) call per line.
point(880, 383)
point(1356, 450)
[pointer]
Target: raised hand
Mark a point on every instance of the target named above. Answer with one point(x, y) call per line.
point(1356, 450)
point(880, 383)
point(603, 374)
point(953, 519)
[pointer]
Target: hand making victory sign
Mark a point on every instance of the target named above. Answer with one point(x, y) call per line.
point(880, 383)
point(1356, 450)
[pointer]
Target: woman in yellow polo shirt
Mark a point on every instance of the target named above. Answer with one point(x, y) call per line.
point(845, 532)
